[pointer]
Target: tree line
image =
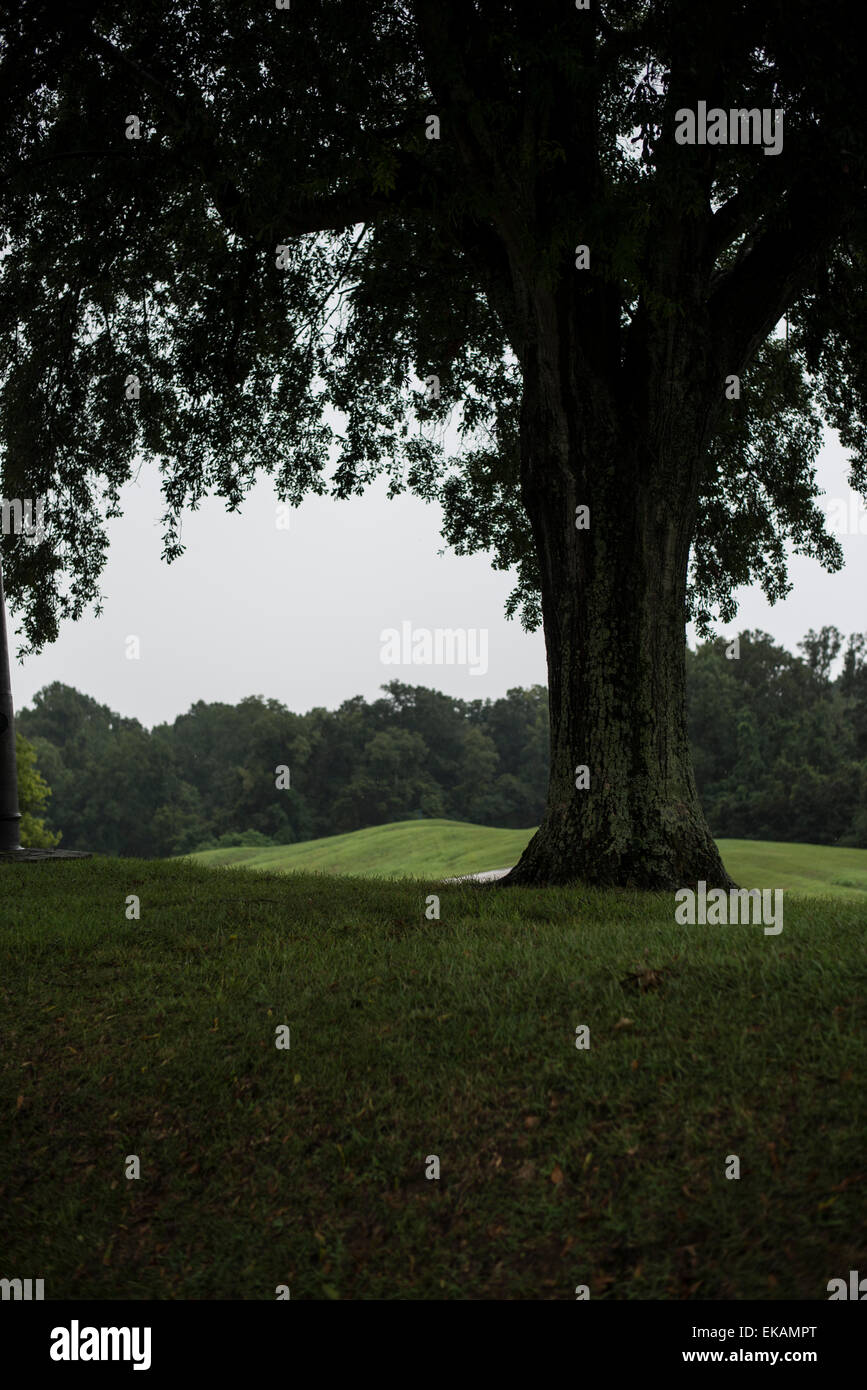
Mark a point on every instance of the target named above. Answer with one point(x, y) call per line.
point(780, 752)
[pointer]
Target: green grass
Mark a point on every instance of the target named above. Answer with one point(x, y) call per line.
point(438, 847)
point(442, 848)
point(412, 1037)
point(798, 868)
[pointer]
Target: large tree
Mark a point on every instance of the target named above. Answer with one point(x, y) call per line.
point(222, 219)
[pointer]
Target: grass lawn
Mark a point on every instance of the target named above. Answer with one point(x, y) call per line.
point(442, 848)
point(438, 848)
point(410, 1038)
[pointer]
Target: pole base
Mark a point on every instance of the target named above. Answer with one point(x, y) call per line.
point(21, 856)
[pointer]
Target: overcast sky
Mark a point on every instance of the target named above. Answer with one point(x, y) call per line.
point(298, 614)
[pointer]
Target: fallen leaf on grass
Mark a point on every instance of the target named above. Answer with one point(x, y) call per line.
point(557, 1175)
point(841, 1186)
point(643, 980)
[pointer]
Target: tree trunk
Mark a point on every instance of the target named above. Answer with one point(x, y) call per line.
point(613, 604)
point(10, 818)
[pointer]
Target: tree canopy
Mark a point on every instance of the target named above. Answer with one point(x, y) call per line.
point(306, 128)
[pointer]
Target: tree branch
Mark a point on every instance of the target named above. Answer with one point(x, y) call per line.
point(753, 296)
point(462, 77)
point(35, 160)
point(751, 201)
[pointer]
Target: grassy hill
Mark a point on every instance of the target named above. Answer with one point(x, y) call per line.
point(409, 1038)
point(443, 849)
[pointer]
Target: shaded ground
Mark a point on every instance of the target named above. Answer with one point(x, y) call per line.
point(410, 1038)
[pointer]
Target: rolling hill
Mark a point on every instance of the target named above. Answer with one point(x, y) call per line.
point(442, 848)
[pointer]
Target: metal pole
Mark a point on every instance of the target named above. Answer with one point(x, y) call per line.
point(10, 816)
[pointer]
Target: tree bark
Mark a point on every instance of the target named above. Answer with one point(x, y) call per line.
point(613, 604)
point(10, 817)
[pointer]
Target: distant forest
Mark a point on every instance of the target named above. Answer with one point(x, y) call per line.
point(780, 753)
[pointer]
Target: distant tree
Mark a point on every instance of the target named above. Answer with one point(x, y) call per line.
point(391, 783)
point(181, 823)
point(821, 650)
point(517, 725)
point(233, 840)
point(109, 776)
point(776, 743)
point(33, 795)
point(853, 687)
point(470, 798)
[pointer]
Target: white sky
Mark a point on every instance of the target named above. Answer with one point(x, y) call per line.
point(297, 614)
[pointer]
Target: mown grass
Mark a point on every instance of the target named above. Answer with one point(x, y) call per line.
point(442, 848)
point(409, 1038)
point(798, 868)
point(417, 847)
